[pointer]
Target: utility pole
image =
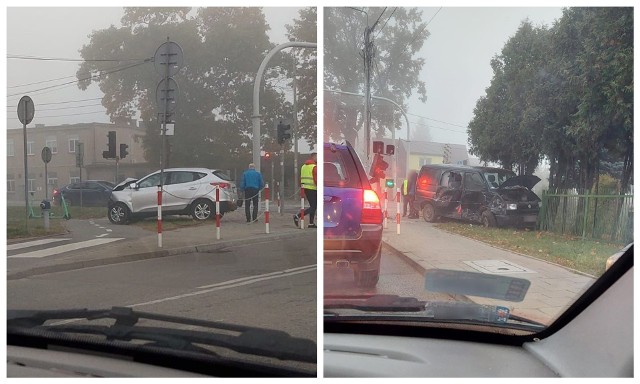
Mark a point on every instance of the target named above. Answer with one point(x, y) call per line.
point(368, 45)
point(296, 179)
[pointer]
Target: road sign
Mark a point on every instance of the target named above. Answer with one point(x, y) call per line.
point(26, 110)
point(168, 54)
point(167, 91)
point(46, 154)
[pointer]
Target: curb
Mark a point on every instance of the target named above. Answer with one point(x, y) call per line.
point(148, 255)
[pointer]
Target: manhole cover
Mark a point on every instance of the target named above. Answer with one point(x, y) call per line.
point(497, 267)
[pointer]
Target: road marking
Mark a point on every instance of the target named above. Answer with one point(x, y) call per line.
point(219, 286)
point(13, 247)
point(277, 273)
point(235, 283)
point(109, 230)
point(103, 235)
point(65, 248)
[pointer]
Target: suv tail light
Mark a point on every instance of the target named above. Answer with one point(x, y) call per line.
point(221, 185)
point(371, 210)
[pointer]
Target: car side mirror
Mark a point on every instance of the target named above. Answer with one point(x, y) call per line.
point(134, 186)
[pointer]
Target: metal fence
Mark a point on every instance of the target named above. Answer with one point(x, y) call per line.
point(607, 217)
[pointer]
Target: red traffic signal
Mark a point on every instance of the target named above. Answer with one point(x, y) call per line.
point(378, 167)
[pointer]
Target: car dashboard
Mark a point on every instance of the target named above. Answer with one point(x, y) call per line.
point(594, 339)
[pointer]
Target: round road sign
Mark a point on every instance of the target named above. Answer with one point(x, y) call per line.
point(168, 54)
point(46, 154)
point(26, 110)
point(167, 92)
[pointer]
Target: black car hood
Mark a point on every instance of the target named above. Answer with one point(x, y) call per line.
point(527, 181)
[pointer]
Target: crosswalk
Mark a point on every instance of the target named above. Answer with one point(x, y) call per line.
point(50, 247)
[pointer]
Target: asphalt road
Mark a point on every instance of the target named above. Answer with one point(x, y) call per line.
point(270, 284)
point(397, 277)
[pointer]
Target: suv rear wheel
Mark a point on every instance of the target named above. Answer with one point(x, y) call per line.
point(119, 214)
point(429, 213)
point(202, 209)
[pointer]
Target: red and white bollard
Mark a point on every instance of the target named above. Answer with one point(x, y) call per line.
point(217, 212)
point(386, 212)
point(266, 209)
point(398, 211)
point(301, 208)
point(159, 216)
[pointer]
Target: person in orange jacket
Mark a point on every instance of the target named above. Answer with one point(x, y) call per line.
point(309, 182)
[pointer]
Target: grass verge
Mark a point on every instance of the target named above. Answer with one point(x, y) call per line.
point(17, 227)
point(587, 256)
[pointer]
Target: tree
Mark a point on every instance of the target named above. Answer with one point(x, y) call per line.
point(223, 48)
point(397, 38)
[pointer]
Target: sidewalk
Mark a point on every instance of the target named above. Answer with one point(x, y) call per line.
point(234, 230)
point(553, 288)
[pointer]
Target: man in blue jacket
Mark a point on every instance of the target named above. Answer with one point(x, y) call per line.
point(251, 184)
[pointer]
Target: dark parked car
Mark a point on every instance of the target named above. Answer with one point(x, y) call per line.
point(90, 193)
point(491, 196)
point(352, 216)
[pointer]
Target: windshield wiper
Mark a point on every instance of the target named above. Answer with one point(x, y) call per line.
point(248, 340)
point(381, 305)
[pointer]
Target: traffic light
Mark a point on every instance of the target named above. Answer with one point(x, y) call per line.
point(391, 149)
point(378, 167)
point(390, 183)
point(110, 153)
point(284, 132)
point(267, 156)
point(378, 147)
point(123, 151)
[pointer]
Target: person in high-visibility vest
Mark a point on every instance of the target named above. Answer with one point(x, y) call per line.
point(409, 195)
point(309, 182)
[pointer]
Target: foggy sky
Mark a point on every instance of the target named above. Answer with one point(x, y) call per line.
point(60, 32)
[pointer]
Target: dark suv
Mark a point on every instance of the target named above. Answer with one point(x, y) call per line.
point(352, 216)
point(492, 196)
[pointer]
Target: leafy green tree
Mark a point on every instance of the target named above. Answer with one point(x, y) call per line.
point(397, 38)
point(223, 48)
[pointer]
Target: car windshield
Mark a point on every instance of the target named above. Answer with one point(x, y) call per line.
point(456, 110)
point(195, 255)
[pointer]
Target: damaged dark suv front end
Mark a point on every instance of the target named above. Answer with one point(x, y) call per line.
point(493, 197)
point(514, 204)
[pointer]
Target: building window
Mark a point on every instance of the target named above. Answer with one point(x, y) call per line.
point(11, 184)
point(30, 148)
point(32, 185)
point(74, 177)
point(11, 151)
point(52, 143)
point(73, 144)
point(52, 178)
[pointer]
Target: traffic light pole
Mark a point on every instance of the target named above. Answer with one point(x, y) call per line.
point(281, 189)
point(255, 117)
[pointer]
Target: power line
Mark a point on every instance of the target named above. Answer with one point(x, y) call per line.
point(382, 13)
point(385, 23)
point(77, 106)
point(439, 121)
point(433, 126)
point(62, 102)
point(27, 57)
point(86, 78)
point(60, 78)
point(71, 114)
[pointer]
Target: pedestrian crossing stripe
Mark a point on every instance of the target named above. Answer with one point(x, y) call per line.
point(65, 248)
point(13, 247)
